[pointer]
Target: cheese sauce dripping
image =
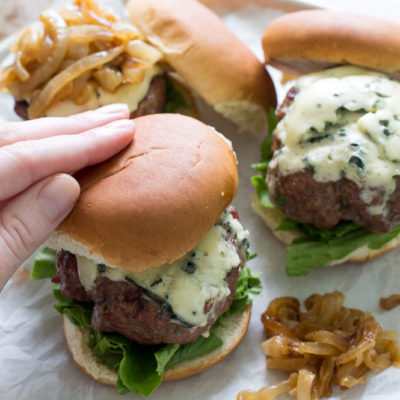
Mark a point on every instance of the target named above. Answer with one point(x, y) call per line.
point(188, 283)
point(343, 123)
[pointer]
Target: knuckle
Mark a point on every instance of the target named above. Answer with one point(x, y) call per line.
point(17, 235)
point(18, 154)
point(81, 120)
point(16, 151)
point(8, 133)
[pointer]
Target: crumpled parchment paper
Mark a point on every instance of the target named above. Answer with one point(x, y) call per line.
point(35, 363)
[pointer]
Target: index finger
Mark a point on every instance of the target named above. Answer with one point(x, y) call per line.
point(24, 163)
point(12, 132)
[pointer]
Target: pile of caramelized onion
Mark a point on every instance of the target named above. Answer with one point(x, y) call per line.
point(326, 344)
point(72, 51)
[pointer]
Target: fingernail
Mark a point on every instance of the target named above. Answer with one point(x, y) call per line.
point(59, 195)
point(119, 108)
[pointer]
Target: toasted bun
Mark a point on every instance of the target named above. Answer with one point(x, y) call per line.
point(214, 62)
point(273, 217)
point(231, 332)
point(155, 200)
point(307, 41)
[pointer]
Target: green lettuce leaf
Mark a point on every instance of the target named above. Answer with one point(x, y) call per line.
point(266, 153)
point(317, 246)
point(164, 356)
point(258, 182)
point(44, 265)
point(174, 100)
point(140, 368)
point(137, 367)
point(108, 349)
point(78, 313)
point(312, 232)
point(247, 289)
point(200, 346)
point(307, 253)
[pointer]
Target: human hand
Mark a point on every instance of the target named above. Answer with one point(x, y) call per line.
point(36, 157)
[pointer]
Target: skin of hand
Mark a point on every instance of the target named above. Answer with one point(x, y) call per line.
point(36, 159)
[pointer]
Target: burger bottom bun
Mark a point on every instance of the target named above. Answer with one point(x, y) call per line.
point(273, 217)
point(232, 332)
point(246, 115)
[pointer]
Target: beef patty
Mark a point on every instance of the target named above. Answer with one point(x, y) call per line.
point(324, 204)
point(153, 102)
point(126, 308)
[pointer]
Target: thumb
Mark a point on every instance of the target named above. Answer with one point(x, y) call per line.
point(28, 219)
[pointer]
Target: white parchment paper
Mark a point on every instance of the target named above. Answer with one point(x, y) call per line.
point(34, 361)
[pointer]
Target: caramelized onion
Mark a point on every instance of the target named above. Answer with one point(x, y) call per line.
point(74, 51)
point(46, 47)
point(56, 27)
point(72, 15)
point(327, 344)
point(89, 33)
point(143, 51)
point(22, 73)
point(93, 13)
point(42, 101)
point(270, 392)
point(109, 78)
point(133, 71)
point(8, 75)
point(387, 303)
point(305, 385)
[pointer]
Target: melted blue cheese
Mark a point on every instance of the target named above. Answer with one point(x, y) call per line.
point(187, 284)
point(344, 123)
point(129, 93)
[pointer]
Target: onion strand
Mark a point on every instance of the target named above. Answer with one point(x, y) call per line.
point(45, 96)
point(327, 344)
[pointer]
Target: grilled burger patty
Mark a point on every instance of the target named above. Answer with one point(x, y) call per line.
point(153, 102)
point(305, 199)
point(138, 313)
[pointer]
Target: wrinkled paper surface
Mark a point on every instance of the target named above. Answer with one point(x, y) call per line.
point(35, 363)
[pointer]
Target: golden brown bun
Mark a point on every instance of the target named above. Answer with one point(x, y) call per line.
point(155, 200)
point(212, 60)
point(307, 41)
point(231, 332)
point(273, 217)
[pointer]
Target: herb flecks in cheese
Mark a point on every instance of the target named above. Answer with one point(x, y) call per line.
point(186, 285)
point(343, 123)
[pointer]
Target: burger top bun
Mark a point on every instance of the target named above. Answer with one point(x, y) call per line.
point(155, 200)
point(211, 59)
point(308, 41)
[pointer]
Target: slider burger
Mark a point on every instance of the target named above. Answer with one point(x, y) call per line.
point(151, 260)
point(330, 175)
point(84, 56)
